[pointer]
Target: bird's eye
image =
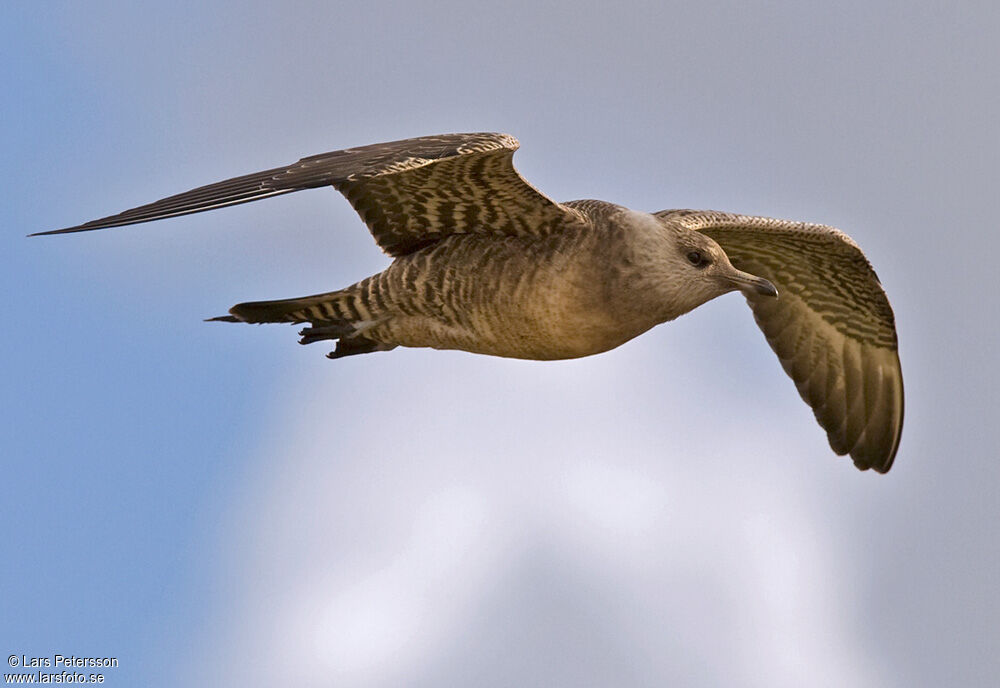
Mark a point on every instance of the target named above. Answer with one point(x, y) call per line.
point(696, 259)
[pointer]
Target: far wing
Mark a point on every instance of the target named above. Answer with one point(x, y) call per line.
point(410, 193)
point(831, 325)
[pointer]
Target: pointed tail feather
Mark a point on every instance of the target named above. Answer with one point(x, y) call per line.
point(339, 315)
point(326, 308)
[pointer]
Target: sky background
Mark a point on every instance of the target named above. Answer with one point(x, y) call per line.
point(216, 505)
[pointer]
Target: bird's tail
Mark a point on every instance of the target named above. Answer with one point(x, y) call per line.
point(298, 310)
point(342, 315)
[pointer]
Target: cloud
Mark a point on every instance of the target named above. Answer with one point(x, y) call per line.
point(406, 518)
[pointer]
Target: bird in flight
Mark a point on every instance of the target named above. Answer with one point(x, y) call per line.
point(484, 262)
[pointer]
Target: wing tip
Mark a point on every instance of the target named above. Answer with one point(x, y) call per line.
point(885, 445)
point(882, 467)
point(878, 458)
point(64, 230)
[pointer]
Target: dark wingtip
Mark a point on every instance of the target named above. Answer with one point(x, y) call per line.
point(67, 230)
point(223, 318)
point(881, 468)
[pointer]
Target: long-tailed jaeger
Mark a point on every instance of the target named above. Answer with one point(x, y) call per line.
point(483, 262)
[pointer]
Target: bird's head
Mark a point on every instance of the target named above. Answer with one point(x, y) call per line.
point(704, 262)
point(691, 269)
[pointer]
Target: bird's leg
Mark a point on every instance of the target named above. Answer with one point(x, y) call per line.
point(321, 331)
point(349, 346)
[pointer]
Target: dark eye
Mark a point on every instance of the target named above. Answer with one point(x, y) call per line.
point(697, 259)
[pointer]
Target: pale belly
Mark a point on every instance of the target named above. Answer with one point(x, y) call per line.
point(508, 337)
point(538, 324)
point(540, 300)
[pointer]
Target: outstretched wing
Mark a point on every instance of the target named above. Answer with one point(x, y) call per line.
point(410, 193)
point(831, 325)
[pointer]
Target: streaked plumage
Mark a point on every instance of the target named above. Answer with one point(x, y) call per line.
point(485, 263)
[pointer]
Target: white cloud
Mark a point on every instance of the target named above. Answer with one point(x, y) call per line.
point(387, 521)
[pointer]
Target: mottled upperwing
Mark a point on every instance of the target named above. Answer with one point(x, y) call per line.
point(410, 193)
point(831, 326)
point(411, 196)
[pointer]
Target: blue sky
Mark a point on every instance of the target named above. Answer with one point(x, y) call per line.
point(216, 505)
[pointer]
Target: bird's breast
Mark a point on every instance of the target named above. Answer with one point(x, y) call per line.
point(510, 296)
